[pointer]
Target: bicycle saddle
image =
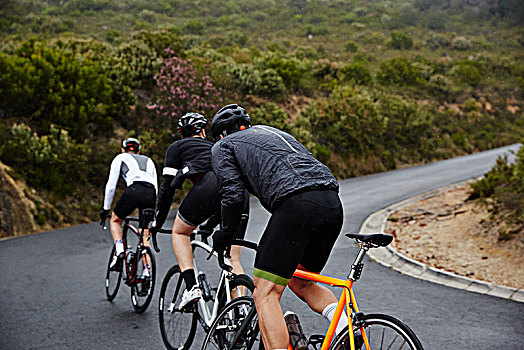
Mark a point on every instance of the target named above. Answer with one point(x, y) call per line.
point(377, 239)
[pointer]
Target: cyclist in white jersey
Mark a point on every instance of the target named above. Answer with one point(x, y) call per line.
point(139, 173)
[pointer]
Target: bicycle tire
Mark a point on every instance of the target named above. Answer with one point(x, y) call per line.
point(237, 281)
point(113, 278)
point(142, 292)
point(383, 332)
point(177, 327)
point(229, 321)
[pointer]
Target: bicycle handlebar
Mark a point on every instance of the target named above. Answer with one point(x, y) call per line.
point(153, 237)
point(234, 241)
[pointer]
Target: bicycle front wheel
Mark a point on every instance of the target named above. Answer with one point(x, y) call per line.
point(240, 312)
point(142, 290)
point(177, 326)
point(113, 278)
point(383, 332)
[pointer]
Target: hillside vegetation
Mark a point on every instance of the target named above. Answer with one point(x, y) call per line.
point(367, 86)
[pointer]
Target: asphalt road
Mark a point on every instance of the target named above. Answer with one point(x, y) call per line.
point(52, 284)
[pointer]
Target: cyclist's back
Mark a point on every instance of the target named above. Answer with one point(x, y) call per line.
point(274, 165)
point(139, 173)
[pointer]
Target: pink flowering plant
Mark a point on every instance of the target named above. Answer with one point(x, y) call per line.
point(181, 88)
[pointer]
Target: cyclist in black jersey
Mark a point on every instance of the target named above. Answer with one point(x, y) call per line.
point(301, 194)
point(190, 158)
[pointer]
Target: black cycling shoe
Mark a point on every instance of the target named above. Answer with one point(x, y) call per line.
point(144, 288)
point(116, 263)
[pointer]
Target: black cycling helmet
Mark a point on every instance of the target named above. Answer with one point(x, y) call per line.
point(191, 124)
point(131, 144)
point(228, 120)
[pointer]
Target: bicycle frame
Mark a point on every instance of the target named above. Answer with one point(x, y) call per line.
point(130, 277)
point(347, 299)
point(207, 316)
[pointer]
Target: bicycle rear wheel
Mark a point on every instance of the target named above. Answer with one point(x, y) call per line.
point(177, 326)
point(142, 290)
point(383, 332)
point(228, 323)
point(113, 278)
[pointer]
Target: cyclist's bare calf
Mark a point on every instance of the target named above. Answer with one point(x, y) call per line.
point(267, 299)
point(116, 227)
point(270, 316)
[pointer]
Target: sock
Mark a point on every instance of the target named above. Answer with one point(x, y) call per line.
point(329, 312)
point(119, 245)
point(146, 270)
point(189, 277)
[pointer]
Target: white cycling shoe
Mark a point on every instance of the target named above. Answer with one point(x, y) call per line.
point(190, 296)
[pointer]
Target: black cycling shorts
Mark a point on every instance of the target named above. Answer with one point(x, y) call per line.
point(302, 230)
point(139, 195)
point(201, 202)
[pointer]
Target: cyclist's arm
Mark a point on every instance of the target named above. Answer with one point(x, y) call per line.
point(155, 179)
point(112, 181)
point(230, 186)
point(167, 191)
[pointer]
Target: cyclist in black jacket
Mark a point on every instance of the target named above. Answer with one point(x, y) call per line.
point(301, 194)
point(190, 158)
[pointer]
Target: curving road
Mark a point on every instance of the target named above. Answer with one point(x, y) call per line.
point(52, 284)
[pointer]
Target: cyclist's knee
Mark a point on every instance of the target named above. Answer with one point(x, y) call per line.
point(265, 289)
point(115, 218)
point(182, 228)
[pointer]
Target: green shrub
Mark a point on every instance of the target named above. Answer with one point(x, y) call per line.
point(147, 16)
point(112, 35)
point(48, 86)
point(460, 43)
point(400, 41)
point(351, 46)
point(291, 69)
point(468, 72)
point(436, 41)
point(358, 73)
point(193, 26)
point(271, 114)
point(315, 30)
point(504, 183)
point(400, 71)
point(46, 162)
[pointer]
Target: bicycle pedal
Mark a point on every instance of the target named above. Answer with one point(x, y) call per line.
point(316, 341)
point(190, 307)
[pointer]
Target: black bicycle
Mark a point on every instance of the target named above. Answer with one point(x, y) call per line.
point(138, 270)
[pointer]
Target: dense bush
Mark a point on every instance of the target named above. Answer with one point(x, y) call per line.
point(400, 71)
point(504, 185)
point(461, 43)
point(47, 86)
point(46, 162)
point(436, 41)
point(468, 72)
point(400, 41)
point(357, 72)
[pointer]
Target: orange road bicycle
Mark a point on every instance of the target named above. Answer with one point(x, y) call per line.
point(236, 327)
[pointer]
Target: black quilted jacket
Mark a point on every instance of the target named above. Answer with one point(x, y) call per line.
point(270, 164)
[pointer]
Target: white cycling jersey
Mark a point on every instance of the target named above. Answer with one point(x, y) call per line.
point(132, 167)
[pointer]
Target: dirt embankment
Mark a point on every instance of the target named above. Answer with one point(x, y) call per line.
point(451, 233)
point(21, 209)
